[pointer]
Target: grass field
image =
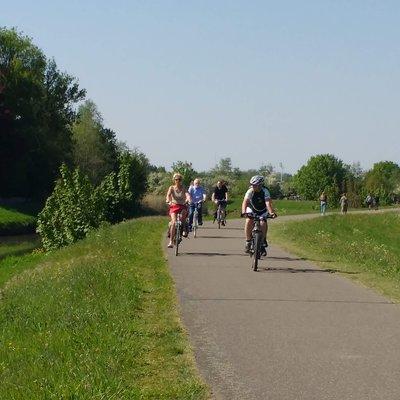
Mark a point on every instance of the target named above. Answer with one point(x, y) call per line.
point(365, 244)
point(16, 255)
point(97, 320)
point(18, 219)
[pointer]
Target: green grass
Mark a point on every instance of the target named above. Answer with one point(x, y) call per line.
point(367, 245)
point(16, 255)
point(18, 219)
point(97, 320)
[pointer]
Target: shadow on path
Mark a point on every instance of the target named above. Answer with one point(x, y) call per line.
point(304, 270)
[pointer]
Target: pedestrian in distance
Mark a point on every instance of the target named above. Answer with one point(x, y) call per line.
point(368, 201)
point(344, 203)
point(323, 202)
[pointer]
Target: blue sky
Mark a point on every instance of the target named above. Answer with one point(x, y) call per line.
point(259, 81)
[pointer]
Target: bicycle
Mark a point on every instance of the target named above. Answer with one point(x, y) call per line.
point(221, 213)
point(195, 224)
point(178, 232)
point(256, 237)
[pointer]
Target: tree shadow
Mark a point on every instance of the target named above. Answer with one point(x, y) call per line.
point(213, 254)
point(304, 270)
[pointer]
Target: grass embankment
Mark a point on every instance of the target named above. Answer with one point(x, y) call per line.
point(365, 245)
point(97, 320)
point(16, 255)
point(18, 219)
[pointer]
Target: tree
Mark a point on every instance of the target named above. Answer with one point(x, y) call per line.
point(185, 168)
point(95, 148)
point(36, 114)
point(224, 167)
point(383, 180)
point(322, 172)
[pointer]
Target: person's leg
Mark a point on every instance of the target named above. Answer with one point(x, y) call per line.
point(264, 228)
point(200, 211)
point(172, 230)
point(184, 223)
point(248, 227)
point(191, 211)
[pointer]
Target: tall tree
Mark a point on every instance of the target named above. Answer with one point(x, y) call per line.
point(322, 172)
point(95, 148)
point(36, 115)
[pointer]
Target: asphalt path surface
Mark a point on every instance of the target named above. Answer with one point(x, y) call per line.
point(289, 332)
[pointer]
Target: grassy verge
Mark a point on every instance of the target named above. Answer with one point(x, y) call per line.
point(16, 255)
point(97, 320)
point(17, 220)
point(364, 244)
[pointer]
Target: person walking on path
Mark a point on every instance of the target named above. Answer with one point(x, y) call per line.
point(323, 199)
point(344, 203)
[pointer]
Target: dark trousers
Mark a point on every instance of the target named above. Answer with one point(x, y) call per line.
point(191, 212)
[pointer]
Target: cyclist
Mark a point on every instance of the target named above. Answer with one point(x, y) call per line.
point(177, 198)
point(220, 197)
point(197, 196)
point(257, 200)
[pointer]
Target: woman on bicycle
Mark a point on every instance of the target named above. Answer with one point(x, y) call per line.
point(257, 200)
point(177, 199)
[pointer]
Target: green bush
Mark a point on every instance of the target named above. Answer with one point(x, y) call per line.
point(72, 210)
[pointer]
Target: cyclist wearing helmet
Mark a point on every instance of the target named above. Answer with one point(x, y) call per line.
point(257, 200)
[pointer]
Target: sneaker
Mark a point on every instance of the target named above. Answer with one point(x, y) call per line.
point(247, 246)
point(170, 245)
point(223, 223)
point(263, 251)
point(200, 223)
point(184, 234)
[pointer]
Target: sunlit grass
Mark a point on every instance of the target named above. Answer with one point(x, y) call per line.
point(97, 320)
point(366, 244)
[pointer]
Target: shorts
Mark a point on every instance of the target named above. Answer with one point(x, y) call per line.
point(176, 208)
point(262, 214)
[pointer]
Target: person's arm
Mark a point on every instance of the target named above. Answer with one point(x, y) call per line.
point(168, 197)
point(204, 195)
point(245, 203)
point(188, 198)
point(270, 208)
point(226, 195)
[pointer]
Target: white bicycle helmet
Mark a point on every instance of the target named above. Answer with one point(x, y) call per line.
point(257, 180)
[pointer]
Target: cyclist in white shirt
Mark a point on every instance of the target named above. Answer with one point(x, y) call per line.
point(257, 200)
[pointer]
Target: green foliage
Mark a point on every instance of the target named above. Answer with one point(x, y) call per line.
point(97, 320)
point(36, 114)
point(94, 147)
point(321, 173)
point(13, 222)
point(76, 206)
point(383, 180)
point(72, 210)
point(366, 244)
point(185, 168)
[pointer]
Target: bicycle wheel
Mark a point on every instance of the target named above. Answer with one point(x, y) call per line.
point(177, 237)
point(219, 217)
point(195, 223)
point(257, 250)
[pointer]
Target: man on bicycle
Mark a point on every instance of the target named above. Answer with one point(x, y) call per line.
point(197, 196)
point(257, 200)
point(220, 197)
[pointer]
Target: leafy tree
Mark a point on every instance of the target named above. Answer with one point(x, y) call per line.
point(95, 148)
point(224, 167)
point(185, 168)
point(322, 172)
point(36, 114)
point(383, 180)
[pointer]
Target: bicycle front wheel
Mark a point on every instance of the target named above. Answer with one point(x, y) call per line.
point(177, 238)
point(195, 223)
point(257, 250)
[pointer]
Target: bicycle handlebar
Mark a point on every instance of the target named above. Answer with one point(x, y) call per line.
point(258, 217)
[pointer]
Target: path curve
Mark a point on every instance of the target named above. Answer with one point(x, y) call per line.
point(292, 332)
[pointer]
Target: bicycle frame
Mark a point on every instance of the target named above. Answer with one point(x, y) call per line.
point(195, 224)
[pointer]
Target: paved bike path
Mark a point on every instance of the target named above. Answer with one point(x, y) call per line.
point(292, 332)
